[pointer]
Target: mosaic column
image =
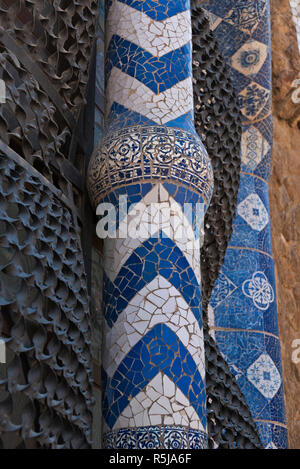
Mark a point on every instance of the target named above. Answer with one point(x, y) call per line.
point(243, 309)
point(151, 170)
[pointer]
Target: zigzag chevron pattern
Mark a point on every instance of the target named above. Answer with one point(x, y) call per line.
point(153, 292)
point(159, 350)
point(171, 407)
point(157, 73)
point(153, 325)
point(157, 303)
point(160, 108)
point(136, 193)
point(154, 256)
point(152, 217)
point(156, 37)
point(130, 118)
point(148, 63)
point(153, 351)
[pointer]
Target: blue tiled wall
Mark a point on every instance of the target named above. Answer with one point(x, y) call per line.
point(244, 297)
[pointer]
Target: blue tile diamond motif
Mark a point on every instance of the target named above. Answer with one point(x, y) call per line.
point(253, 211)
point(264, 375)
point(250, 58)
point(254, 101)
point(254, 148)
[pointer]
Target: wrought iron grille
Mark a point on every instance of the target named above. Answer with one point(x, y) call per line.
point(45, 315)
point(47, 136)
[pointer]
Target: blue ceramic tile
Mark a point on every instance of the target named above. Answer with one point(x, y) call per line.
point(255, 361)
point(159, 11)
point(138, 374)
point(244, 294)
point(158, 74)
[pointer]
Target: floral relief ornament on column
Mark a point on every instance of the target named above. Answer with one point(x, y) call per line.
point(259, 289)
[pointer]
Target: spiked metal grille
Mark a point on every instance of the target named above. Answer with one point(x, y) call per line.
point(46, 386)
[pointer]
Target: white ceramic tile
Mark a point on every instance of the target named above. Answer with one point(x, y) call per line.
point(146, 217)
point(158, 38)
point(137, 97)
point(158, 408)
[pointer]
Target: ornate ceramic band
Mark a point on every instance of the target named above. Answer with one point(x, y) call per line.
point(143, 153)
point(156, 438)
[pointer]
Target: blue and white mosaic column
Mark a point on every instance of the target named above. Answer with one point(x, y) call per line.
point(243, 309)
point(152, 162)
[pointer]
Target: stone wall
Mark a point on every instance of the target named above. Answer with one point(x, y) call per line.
point(285, 198)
